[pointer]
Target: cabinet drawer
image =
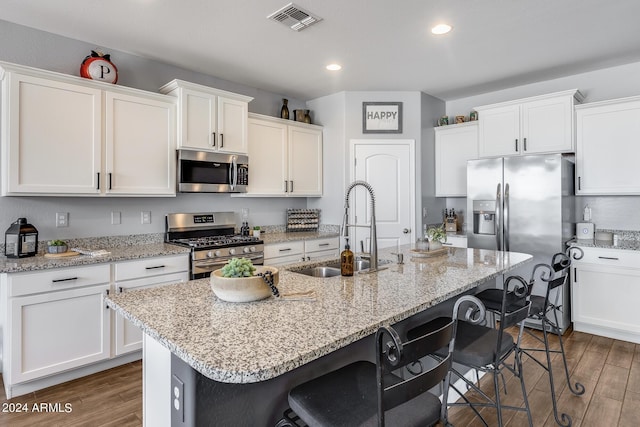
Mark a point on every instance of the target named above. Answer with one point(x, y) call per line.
point(321, 244)
point(284, 249)
point(613, 257)
point(56, 280)
point(147, 282)
point(150, 267)
point(456, 241)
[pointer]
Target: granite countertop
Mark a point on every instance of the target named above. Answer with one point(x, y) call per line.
point(251, 342)
point(117, 253)
point(624, 239)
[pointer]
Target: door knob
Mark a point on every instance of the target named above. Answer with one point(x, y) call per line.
point(406, 230)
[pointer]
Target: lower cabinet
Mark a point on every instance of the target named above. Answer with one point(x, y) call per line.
point(55, 325)
point(300, 250)
point(321, 248)
point(456, 241)
point(605, 288)
point(56, 321)
point(147, 273)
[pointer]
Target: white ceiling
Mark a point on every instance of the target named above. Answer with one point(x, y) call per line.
point(381, 44)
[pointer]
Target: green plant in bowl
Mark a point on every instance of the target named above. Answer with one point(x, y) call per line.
point(56, 246)
point(437, 234)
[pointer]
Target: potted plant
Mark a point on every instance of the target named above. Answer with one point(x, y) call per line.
point(437, 236)
point(240, 281)
point(256, 231)
point(56, 246)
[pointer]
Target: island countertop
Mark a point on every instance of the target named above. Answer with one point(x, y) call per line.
point(257, 341)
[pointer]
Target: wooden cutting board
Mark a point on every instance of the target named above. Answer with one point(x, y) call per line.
point(62, 255)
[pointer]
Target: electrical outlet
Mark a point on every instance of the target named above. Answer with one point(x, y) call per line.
point(115, 218)
point(145, 217)
point(62, 219)
point(177, 397)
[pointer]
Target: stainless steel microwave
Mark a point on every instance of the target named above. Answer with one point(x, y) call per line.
point(208, 172)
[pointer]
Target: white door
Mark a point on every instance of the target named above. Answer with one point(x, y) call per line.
point(388, 166)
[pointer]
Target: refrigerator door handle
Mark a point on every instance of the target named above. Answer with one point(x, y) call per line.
point(505, 218)
point(497, 227)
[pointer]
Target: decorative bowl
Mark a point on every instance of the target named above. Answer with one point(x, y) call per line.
point(57, 249)
point(242, 289)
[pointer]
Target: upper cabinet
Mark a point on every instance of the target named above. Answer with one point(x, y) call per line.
point(285, 158)
point(541, 124)
point(607, 136)
point(455, 145)
point(210, 119)
point(65, 135)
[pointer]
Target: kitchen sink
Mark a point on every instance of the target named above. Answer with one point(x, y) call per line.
point(320, 271)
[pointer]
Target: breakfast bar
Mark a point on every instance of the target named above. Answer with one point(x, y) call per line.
point(233, 363)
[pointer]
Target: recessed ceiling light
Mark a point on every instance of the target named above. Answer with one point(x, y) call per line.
point(441, 29)
point(334, 67)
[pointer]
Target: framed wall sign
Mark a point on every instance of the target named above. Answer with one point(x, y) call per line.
point(382, 117)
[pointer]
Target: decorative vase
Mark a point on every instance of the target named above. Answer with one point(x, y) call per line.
point(307, 117)
point(298, 115)
point(284, 111)
point(242, 289)
point(434, 245)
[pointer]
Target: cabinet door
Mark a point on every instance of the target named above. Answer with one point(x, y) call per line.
point(499, 131)
point(267, 157)
point(305, 162)
point(607, 149)
point(56, 331)
point(454, 147)
point(140, 146)
point(128, 337)
point(604, 301)
point(197, 120)
point(547, 125)
point(232, 125)
point(54, 132)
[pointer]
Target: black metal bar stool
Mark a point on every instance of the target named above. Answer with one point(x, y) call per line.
point(368, 394)
point(485, 348)
point(542, 307)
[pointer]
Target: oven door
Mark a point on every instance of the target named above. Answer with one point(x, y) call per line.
point(206, 172)
point(203, 268)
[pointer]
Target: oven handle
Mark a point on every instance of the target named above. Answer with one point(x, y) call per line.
point(223, 262)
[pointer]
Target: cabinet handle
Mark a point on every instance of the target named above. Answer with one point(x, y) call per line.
point(579, 183)
point(98, 187)
point(110, 180)
point(323, 244)
point(609, 257)
point(291, 191)
point(516, 145)
point(64, 280)
point(285, 250)
point(153, 268)
point(447, 244)
point(214, 139)
point(575, 275)
point(524, 143)
point(221, 140)
point(308, 258)
point(120, 289)
point(286, 186)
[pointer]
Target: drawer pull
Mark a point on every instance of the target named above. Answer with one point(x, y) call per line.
point(447, 244)
point(64, 280)
point(153, 268)
point(120, 289)
point(609, 257)
point(324, 244)
point(284, 250)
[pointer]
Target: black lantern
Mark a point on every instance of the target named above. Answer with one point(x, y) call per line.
point(21, 240)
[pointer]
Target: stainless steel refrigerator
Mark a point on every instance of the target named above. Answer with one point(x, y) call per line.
point(523, 204)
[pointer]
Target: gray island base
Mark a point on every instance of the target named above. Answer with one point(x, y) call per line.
point(209, 362)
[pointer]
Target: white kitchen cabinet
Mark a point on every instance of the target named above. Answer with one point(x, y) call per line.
point(541, 124)
point(456, 241)
point(455, 145)
point(284, 253)
point(605, 288)
point(140, 274)
point(64, 135)
point(56, 321)
point(607, 148)
point(210, 119)
point(321, 248)
point(285, 158)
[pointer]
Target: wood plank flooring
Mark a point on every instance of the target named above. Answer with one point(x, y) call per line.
point(609, 370)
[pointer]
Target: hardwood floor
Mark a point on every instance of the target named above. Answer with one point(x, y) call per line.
point(609, 370)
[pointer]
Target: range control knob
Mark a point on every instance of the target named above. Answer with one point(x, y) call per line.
point(218, 253)
point(210, 254)
point(232, 251)
point(246, 250)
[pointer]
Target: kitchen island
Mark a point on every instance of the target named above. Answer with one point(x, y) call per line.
point(232, 364)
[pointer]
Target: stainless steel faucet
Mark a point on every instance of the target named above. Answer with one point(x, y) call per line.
point(373, 248)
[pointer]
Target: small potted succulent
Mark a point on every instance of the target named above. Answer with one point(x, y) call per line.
point(437, 236)
point(256, 231)
point(56, 246)
point(240, 281)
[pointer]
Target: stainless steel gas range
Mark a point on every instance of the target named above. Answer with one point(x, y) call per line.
point(212, 239)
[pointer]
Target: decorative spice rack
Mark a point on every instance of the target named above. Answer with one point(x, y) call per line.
point(303, 219)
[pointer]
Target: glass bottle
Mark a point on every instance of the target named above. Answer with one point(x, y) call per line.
point(284, 111)
point(346, 261)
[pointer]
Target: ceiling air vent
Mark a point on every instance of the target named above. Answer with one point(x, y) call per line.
point(294, 17)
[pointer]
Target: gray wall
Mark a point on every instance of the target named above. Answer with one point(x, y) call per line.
point(91, 217)
point(609, 212)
